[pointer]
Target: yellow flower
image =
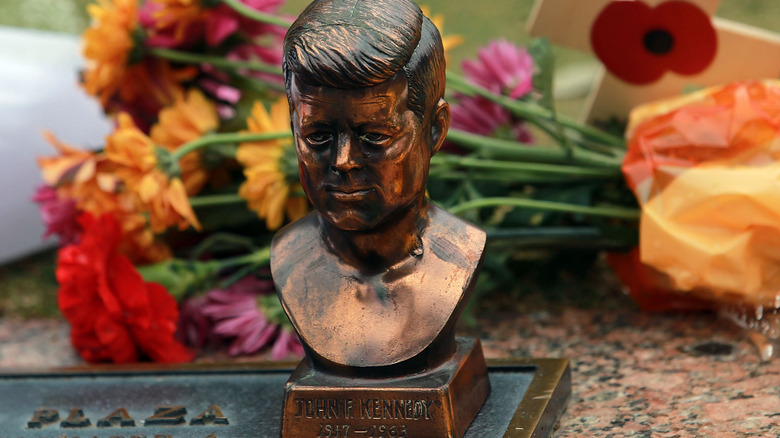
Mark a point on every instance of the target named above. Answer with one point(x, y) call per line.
point(267, 189)
point(187, 119)
point(107, 46)
point(164, 198)
point(449, 41)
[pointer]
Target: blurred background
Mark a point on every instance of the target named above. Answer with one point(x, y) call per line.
point(39, 61)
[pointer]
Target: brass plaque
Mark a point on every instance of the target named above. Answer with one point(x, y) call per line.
point(242, 401)
point(438, 403)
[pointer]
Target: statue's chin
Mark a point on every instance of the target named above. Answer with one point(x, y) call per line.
point(346, 221)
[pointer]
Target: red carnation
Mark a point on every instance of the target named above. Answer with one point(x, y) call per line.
point(639, 44)
point(114, 315)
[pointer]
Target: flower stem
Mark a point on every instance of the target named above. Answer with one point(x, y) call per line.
point(513, 150)
point(217, 61)
point(531, 111)
point(256, 15)
point(215, 200)
point(614, 212)
point(504, 177)
point(237, 137)
point(556, 237)
point(259, 257)
point(486, 164)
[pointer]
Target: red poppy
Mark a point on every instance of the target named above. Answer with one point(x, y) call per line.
point(114, 315)
point(639, 44)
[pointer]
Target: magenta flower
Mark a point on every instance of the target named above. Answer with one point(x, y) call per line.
point(195, 328)
point(183, 25)
point(216, 84)
point(503, 68)
point(169, 37)
point(236, 315)
point(251, 317)
point(286, 344)
point(270, 53)
point(223, 21)
point(481, 116)
point(59, 215)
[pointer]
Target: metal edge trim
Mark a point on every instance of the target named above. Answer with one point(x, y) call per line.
point(545, 400)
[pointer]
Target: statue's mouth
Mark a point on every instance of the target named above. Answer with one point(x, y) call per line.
point(349, 193)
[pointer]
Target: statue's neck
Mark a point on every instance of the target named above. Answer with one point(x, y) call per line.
point(371, 252)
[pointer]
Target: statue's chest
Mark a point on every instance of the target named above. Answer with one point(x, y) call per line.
point(375, 320)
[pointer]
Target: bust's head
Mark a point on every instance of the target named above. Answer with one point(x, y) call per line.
point(365, 81)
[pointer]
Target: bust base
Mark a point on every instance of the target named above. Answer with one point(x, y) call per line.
point(438, 403)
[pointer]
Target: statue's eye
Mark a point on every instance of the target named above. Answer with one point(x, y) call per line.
point(319, 138)
point(375, 138)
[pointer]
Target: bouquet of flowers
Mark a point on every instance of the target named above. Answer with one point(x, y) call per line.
point(165, 228)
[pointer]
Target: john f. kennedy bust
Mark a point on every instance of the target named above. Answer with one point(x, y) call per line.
point(376, 277)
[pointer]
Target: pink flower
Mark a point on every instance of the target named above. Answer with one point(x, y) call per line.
point(503, 68)
point(216, 84)
point(270, 54)
point(249, 314)
point(169, 37)
point(59, 215)
point(182, 24)
point(223, 21)
point(481, 116)
point(286, 344)
point(195, 328)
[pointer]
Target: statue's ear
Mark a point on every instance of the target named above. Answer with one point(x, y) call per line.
point(440, 123)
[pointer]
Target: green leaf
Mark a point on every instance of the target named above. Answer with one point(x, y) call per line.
point(181, 277)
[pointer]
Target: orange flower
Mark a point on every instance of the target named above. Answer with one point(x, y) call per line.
point(164, 198)
point(88, 178)
point(80, 175)
point(117, 74)
point(107, 46)
point(449, 41)
point(139, 243)
point(267, 187)
point(72, 164)
point(187, 119)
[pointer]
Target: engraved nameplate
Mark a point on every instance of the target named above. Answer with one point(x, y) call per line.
point(226, 401)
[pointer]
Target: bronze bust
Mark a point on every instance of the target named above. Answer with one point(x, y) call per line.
point(377, 276)
point(375, 279)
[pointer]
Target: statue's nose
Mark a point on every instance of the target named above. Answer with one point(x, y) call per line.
point(347, 155)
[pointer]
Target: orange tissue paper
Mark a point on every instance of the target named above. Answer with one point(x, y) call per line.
point(705, 168)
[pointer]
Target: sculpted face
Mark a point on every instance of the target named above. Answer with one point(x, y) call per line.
point(363, 155)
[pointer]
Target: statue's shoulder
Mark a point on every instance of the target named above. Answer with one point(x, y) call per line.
point(295, 243)
point(454, 239)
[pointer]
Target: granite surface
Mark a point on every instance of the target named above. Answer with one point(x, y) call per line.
point(644, 375)
point(634, 374)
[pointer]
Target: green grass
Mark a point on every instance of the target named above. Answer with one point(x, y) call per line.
point(28, 287)
point(67, 16)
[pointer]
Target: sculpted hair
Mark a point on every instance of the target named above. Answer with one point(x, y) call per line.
point(351, 44)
